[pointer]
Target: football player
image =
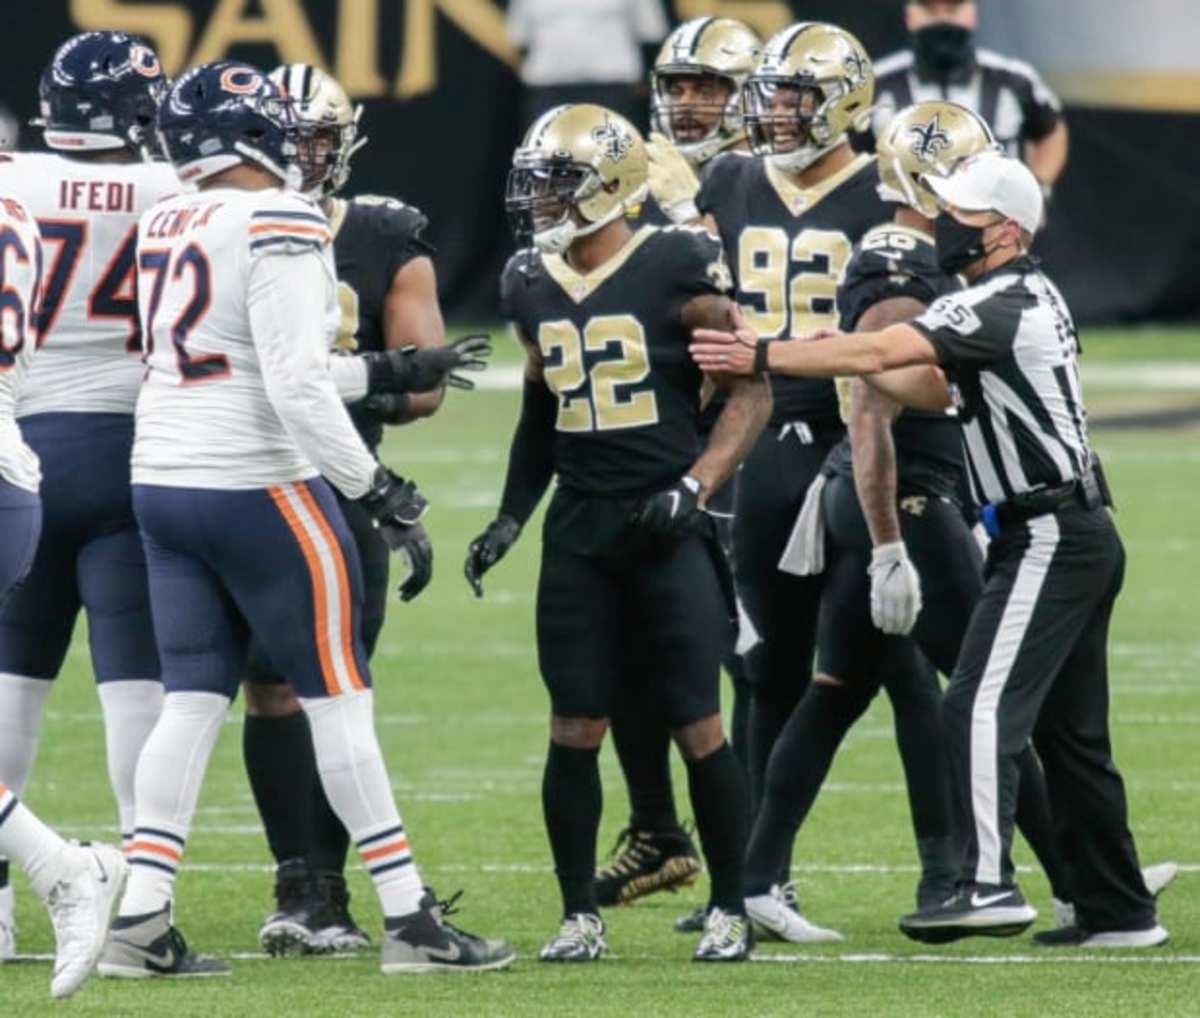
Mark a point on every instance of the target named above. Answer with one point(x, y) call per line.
point(238, 423)
point(78, 883)
point(387, 290)
point(631, 589)
point(696, 86)
point(99, 95)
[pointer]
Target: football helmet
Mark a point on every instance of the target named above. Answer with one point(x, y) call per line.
point(928, 139)
point(813, 85)
point(220, 114)
point(578, 168)
point(101, 91)
point(720, 48)
point(327, 126)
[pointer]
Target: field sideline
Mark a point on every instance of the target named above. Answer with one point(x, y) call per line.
point(462, 720)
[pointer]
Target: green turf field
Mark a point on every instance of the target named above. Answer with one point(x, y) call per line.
point(461, 714)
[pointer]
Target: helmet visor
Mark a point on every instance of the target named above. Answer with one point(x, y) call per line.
point(540, 194)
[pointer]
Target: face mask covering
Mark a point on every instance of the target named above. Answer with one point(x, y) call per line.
point(942, 48)
point(958, 245)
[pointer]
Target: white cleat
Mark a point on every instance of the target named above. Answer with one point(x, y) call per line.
point(80, 906)
point(1160, 876)
point(771, 912)
point(8, 925)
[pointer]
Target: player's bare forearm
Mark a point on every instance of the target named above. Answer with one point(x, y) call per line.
point(873, 453)
point(412, 316)
point(1047, 156)
point(742, 420)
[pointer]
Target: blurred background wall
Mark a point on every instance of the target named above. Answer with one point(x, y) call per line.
point(442, 100)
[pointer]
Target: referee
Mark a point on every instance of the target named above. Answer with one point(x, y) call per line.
point(1034, 659)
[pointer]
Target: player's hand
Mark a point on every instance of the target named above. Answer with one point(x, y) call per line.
point(423, 369)
point(739, 352)
point(671, 513)
point(389, 407)
point(489, 548)
point(895, 589)
point(412, 543)
point(673, 182)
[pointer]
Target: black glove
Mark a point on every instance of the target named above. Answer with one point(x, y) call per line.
point(674, 512)
point(397, 508)
point(423, 369)
point(489, 548)
point(389, 407)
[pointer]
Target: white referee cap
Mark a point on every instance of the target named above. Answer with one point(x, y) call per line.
point(993, 182)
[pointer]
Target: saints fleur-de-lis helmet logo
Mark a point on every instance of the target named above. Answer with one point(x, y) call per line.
point(614, 142)
point(929, 140)
point(855, 66)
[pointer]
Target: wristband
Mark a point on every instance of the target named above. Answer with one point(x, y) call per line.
point(760, 357)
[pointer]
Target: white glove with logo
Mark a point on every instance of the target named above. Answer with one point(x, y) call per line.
point(673, 181)
point(895, 589)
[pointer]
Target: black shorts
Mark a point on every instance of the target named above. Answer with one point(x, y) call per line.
point(374, 556)
point(612, 610)
point(945, 555)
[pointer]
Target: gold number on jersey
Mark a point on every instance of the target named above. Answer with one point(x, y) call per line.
point(348, 325)
point(816, 264)
point(603, 407)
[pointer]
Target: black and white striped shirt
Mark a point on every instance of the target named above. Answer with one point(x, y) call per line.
point(1009, 94)
point(1009, 345)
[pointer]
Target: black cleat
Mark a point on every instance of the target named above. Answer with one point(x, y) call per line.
point(294, 927)
point(1073, 936)
point(648, 863)
point(424, 941)
point(336, 929)
point(975, 910)
point(693, 922)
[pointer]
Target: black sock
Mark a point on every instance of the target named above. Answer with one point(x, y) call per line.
point(643, 747)
point(571, 802)
point(1036, 823)
point(722, 809)
point(917, 707)
point(330, 840)
point(282, 769)
point(739, 717)
point(802, 758)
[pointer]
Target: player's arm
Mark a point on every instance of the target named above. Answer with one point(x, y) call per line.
point(530, 470)
point(412, 317)
point(745, 414)
point(1047, 156)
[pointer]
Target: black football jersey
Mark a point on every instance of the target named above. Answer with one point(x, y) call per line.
point(895, 261)
point(615, 353)
point(788, 248)
point(374, 238)
point(648, 213)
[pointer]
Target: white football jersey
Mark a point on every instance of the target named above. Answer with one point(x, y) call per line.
point(20, 263)
point(90, 346)
point(238, 296)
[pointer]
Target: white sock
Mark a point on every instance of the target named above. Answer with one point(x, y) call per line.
point(356, 783)
point(22, 704)
point(30, 842)
point(170, 772)
point(131, 707)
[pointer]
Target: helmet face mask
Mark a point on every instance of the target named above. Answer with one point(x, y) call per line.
point(783, 119)
point(540, 201)
point(327, 127)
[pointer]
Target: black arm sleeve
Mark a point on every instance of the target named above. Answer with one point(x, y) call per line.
point(531, 458)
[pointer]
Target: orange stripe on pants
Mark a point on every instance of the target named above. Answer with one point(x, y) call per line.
point(339, 561)
point(320, 614)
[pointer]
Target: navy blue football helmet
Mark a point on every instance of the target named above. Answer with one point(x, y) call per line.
point(220, 114)
point(101, 91)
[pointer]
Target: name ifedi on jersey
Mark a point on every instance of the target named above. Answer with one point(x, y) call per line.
point(95, 195)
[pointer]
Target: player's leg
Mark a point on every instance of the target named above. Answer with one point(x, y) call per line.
point(583, 629)
point(686, 612)
point(307, 618)
point(1113, 905)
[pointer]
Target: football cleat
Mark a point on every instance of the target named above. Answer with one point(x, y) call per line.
point(693, 922)
point(424, 941)
point(727, 937)
point(8, 925)
point(1073, 936)
point(80, 904)
point(1158, 878)
point(148, 946)
point(579, 938)
point(975, 910)
point(649, 863)
point(292, 928)
point(777, 916)
point(336, 929)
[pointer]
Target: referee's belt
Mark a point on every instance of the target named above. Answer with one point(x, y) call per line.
point(1090, 493)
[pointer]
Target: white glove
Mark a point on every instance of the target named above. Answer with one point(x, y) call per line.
point(895, 589)
point(673, 182)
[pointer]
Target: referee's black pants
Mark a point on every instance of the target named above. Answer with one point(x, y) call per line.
point(1034, 663)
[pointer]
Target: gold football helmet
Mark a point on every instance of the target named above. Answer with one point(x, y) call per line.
point(928, 139)
point(578, 168)
point(327, 127)
point(721, 53)
point(814, 83)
